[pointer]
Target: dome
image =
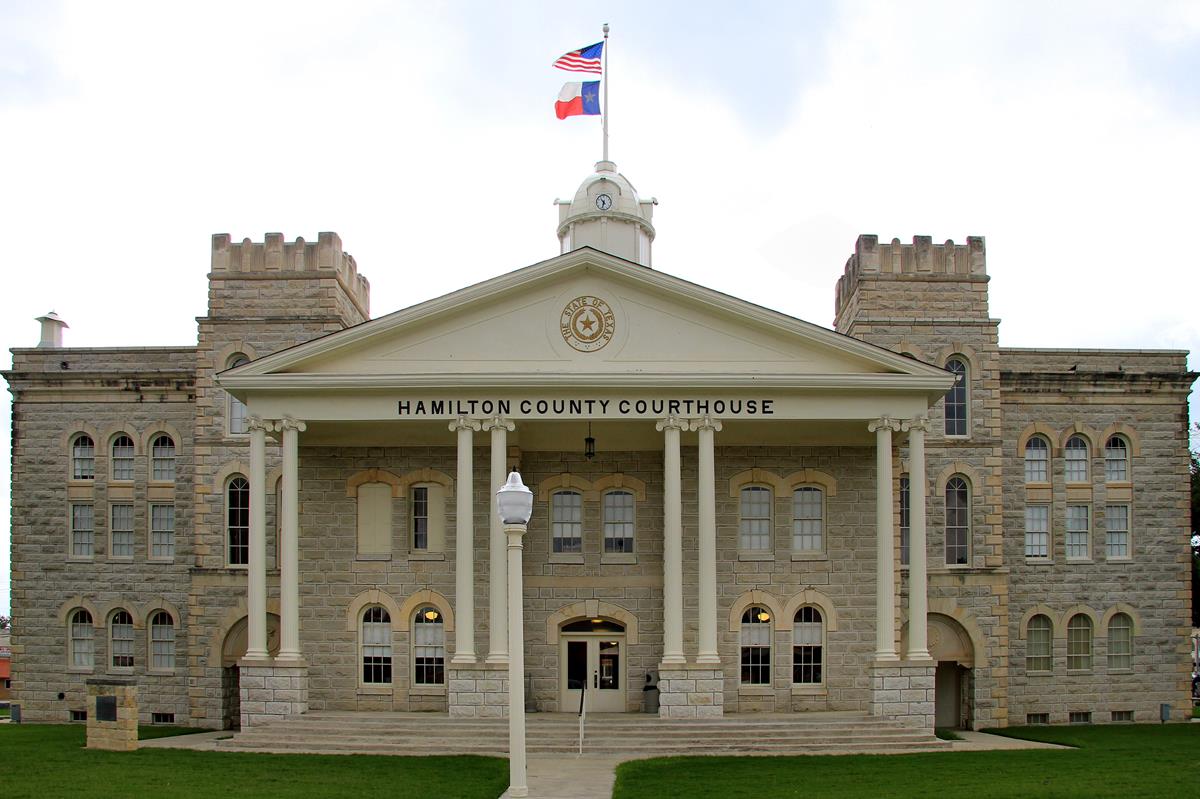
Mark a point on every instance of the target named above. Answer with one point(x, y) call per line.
point(607, 214)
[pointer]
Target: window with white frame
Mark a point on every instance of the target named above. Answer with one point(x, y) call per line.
point(120, 640)
point(1039, 641)
point(1116, 460)
point(1079, 643)
point(82, 641)
point(429, 647)
point(237, 520)
point(755, 642)
point(1079, 532)
point(120, 530)
point(1116, 531)
point(418, 503)
point(162, 532)
point(755, 519)
point(1037, 531)
point(958, 521)
point(566, 514)
point(122, 458)
point(1120, 642)
point(83, 530)
point(162, 641)
point(83, 458)
point(956, 398)
point(1037, 460)
point(808, 639)
point(376, 646)
point(237, 409)
point(905, 520)
point(618, 521)
point(808, 519)
point(1077, 460)
point(162, 459)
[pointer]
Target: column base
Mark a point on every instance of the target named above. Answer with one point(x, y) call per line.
point(499, 659)
point(709, 660)
point(904, 690)
point(272, 690)
point(477, 691)
point(690, 692)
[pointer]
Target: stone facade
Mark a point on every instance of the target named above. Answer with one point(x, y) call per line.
point(119, 732)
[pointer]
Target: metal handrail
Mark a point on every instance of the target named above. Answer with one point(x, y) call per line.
point(582, 712)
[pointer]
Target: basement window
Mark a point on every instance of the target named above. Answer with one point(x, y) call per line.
point(1079, 717)
point(1122, 715)
point(162, 718)
point(1037, 718)
point(78, 715)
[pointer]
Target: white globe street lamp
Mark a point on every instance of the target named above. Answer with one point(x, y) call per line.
point(514, 503)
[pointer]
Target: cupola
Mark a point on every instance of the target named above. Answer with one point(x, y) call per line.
point(607, 214)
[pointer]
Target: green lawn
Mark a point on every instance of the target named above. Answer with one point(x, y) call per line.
point(1111, 761)
point(54, 764)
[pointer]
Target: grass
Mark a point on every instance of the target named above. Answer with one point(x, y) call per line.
point(55, 764)
point(1114, 762)
point(5, 712)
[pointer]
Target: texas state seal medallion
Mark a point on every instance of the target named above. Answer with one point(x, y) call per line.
point(587, 323)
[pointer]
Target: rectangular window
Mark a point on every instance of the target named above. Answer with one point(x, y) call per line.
point(162, 647)
point(121, 530)
point(567, 522)
point(1079, 717)
point(162, 718)
point(162, 532)
point(808, 520)
point(1037, 531)
point(756, 519)
point(1037, 718)
point(1078, 532)
point(83, 531)
point(1116, 523)
point(1122, 715)
point(420, 517)
point(905, 520)
point(618, 521)
point(78, 715)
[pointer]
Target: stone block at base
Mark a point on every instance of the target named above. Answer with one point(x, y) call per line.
point(120, 733)
point(478, 690)
point(272, 690)
point(690, 691)
point(904, 691)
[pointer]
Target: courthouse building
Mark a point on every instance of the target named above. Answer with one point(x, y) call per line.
point(896, 517)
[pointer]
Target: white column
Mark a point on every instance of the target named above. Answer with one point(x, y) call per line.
point(707, 513)
point(672, 542)
point(516, 664)
point(256, 589)
point(498, 576)
point(885, 558)
point(289, 572)
point(918, 570)
point(464, 544)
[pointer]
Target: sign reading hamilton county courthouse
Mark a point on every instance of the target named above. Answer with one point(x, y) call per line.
point(613, 407)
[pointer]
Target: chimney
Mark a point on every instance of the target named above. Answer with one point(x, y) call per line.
point(52, 328)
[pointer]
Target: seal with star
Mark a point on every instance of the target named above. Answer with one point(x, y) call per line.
point(587, 323)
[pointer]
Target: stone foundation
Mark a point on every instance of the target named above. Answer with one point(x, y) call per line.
point(690, 692)
point(272, 690)
point(120, 733)
point(904, 690)
point(478, 691)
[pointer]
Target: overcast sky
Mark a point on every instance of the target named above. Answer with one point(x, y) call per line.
point(772, 134)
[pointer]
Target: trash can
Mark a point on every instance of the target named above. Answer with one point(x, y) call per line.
point(14, 713)
point(650, 693)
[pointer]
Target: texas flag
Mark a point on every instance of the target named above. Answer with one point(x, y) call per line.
point(578, 98)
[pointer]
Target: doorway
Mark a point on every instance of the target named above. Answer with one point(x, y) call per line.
point(592, 654)
point(233, 649)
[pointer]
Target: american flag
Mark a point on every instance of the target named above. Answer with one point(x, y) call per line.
point(585, 59)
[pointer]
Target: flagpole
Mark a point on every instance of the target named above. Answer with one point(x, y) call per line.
point(604, 118)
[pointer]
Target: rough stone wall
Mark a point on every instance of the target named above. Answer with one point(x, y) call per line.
point(58, 392)
point(1067, 391)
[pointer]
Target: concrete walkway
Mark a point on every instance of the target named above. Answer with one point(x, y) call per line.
point(982, 742)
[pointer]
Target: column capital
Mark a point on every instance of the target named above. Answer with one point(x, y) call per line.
point(463, 423)
point(671, 423)
point(705, 423)
point(883, 423)
point(499, 423)
point(919, 423)
point(258, 423)
point(288, 423)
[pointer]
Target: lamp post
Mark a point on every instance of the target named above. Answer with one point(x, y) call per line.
point(514, 503)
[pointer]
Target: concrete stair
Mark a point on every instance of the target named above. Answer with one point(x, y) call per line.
point(631, 735)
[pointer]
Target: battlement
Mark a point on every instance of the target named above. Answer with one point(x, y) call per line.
point(325, 258)
point(920, 259)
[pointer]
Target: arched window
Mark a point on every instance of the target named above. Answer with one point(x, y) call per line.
point(237, 520)
point(1077, 460)
point(1037, 460)
point(755, 519)
point(1079, 643)
point(808, 639)
point(956, 398)
point(83, 643)
point(162, 459)
point(1120, 642)
point(905, 520)
point(120, 640)
point(237, 409)
point(618, 521)
point(1116, 460)
point(808, 519)
point(162, 642)
point(566, 509)
point(958, 521)
point(1039, 638)
point(756, 646)
point(83, 458)
point(429, 647)
point(376, 646)
point(122, 458)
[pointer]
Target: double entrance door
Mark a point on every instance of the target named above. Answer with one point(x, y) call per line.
point(594, 660)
